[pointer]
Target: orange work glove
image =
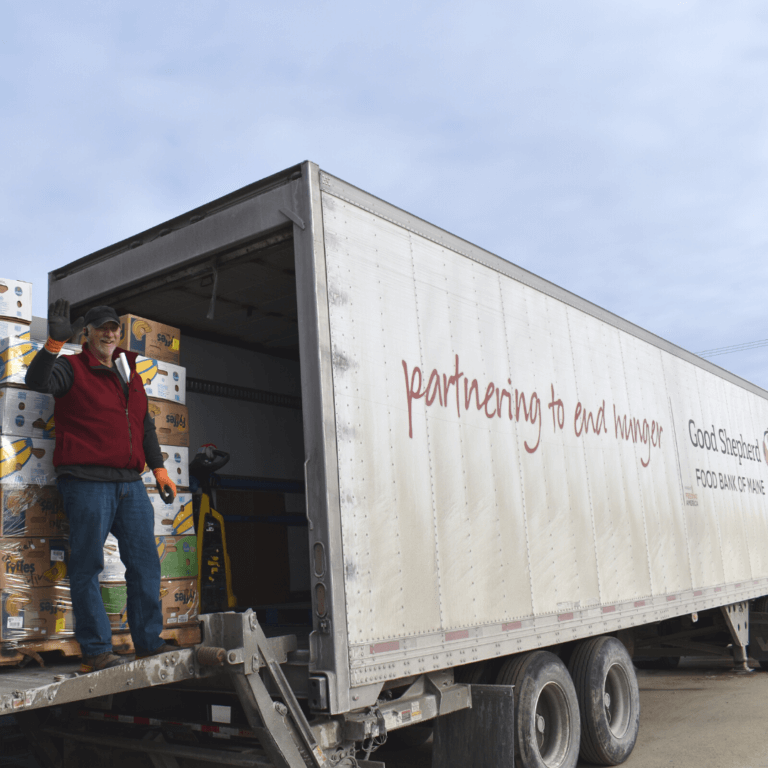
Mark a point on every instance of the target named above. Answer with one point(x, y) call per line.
point(165, 485)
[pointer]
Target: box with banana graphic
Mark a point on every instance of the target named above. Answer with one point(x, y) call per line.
point(176, 463)
point(177, 554)
point(178, 598)
point(36, 613)
point(171, 421)
point(26, 414)
point(16, 354)
point(174, 519)
point(162, 380)
point(15, 328)
point(26, 461)
point(150, 338)
point(32, 511)
point(33, 562)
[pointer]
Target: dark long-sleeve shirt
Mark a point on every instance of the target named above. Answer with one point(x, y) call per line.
point(53, 375)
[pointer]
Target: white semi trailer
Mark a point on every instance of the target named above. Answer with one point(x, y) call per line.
point(505, 484)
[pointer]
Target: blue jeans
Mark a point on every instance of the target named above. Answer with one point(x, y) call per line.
point(94, 509)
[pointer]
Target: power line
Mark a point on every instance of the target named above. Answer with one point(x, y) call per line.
point(734, 348)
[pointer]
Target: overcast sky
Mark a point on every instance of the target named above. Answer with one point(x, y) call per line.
point(617, 149)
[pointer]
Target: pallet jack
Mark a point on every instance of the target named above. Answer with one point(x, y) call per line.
point(214, 579)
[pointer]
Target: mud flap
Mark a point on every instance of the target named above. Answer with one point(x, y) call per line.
point(481, 735)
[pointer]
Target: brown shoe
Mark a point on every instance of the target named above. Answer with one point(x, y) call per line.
point(101, 661)
point(164, 648)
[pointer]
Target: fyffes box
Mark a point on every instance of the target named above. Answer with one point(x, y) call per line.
point(36, 613)
point(176, 463)
point(174, 519)
point(26, 413)
point(17, 353)
point(33, 562)
point(150, 338)
point(178, 599)
point(171, 420)
point(163, 380)
point(15, 328)
point(32, 511)
point(27, 461)
point(15, 356)
point(114, 570)
point(16, 300)
point(178, 556)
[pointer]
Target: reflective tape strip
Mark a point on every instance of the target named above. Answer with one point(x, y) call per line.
point(134, 720)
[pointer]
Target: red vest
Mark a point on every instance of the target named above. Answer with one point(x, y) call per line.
point(95, 423)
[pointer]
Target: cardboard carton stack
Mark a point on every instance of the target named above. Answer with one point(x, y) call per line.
point(165, 384)
point(34, 590)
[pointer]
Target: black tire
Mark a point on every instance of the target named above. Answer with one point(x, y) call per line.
point(547, 723)
point(472, 674)
point(609, 700)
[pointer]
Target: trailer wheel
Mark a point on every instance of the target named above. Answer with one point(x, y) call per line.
point(472, 674)
point(609, 700)
point(547, 724)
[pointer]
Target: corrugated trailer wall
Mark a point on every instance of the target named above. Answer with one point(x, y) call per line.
point(515, 471)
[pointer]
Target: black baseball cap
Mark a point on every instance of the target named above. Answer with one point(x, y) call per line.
point(97, 316)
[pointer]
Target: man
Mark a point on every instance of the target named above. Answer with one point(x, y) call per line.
point(104, 435)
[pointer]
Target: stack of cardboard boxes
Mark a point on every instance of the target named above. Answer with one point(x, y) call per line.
point(35, 600)
point(165, 384)
point(34, 591)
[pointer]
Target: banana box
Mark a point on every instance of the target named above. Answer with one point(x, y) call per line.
point(34, 614)
point(16, 300)
point(171, 421)
point(178, 599)
point(27, 461)
point(33, 562)
point(162, 380)
point(174, 519)
point(26, 413)
point(150, 338)
point(16, 353)
point(15, 328)
point(32, 511)
point(114, 570)
point(178, 556)
point(176, 463)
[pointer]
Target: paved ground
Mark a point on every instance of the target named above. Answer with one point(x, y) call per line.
point(701, 715)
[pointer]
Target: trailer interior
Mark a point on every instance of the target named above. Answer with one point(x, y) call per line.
point(236, 309)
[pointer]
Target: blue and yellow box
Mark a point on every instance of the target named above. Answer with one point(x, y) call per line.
point(150, 338)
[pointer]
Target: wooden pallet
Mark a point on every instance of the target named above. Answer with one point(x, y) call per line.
point(16, 655)
point(184, 636)
point(58, 650)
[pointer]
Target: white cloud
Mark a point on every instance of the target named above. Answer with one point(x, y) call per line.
point(616, 149)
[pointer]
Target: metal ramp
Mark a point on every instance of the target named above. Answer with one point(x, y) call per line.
point(234, 645)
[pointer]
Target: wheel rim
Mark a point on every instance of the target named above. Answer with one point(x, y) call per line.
point(552, 725)
point(616, 700)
